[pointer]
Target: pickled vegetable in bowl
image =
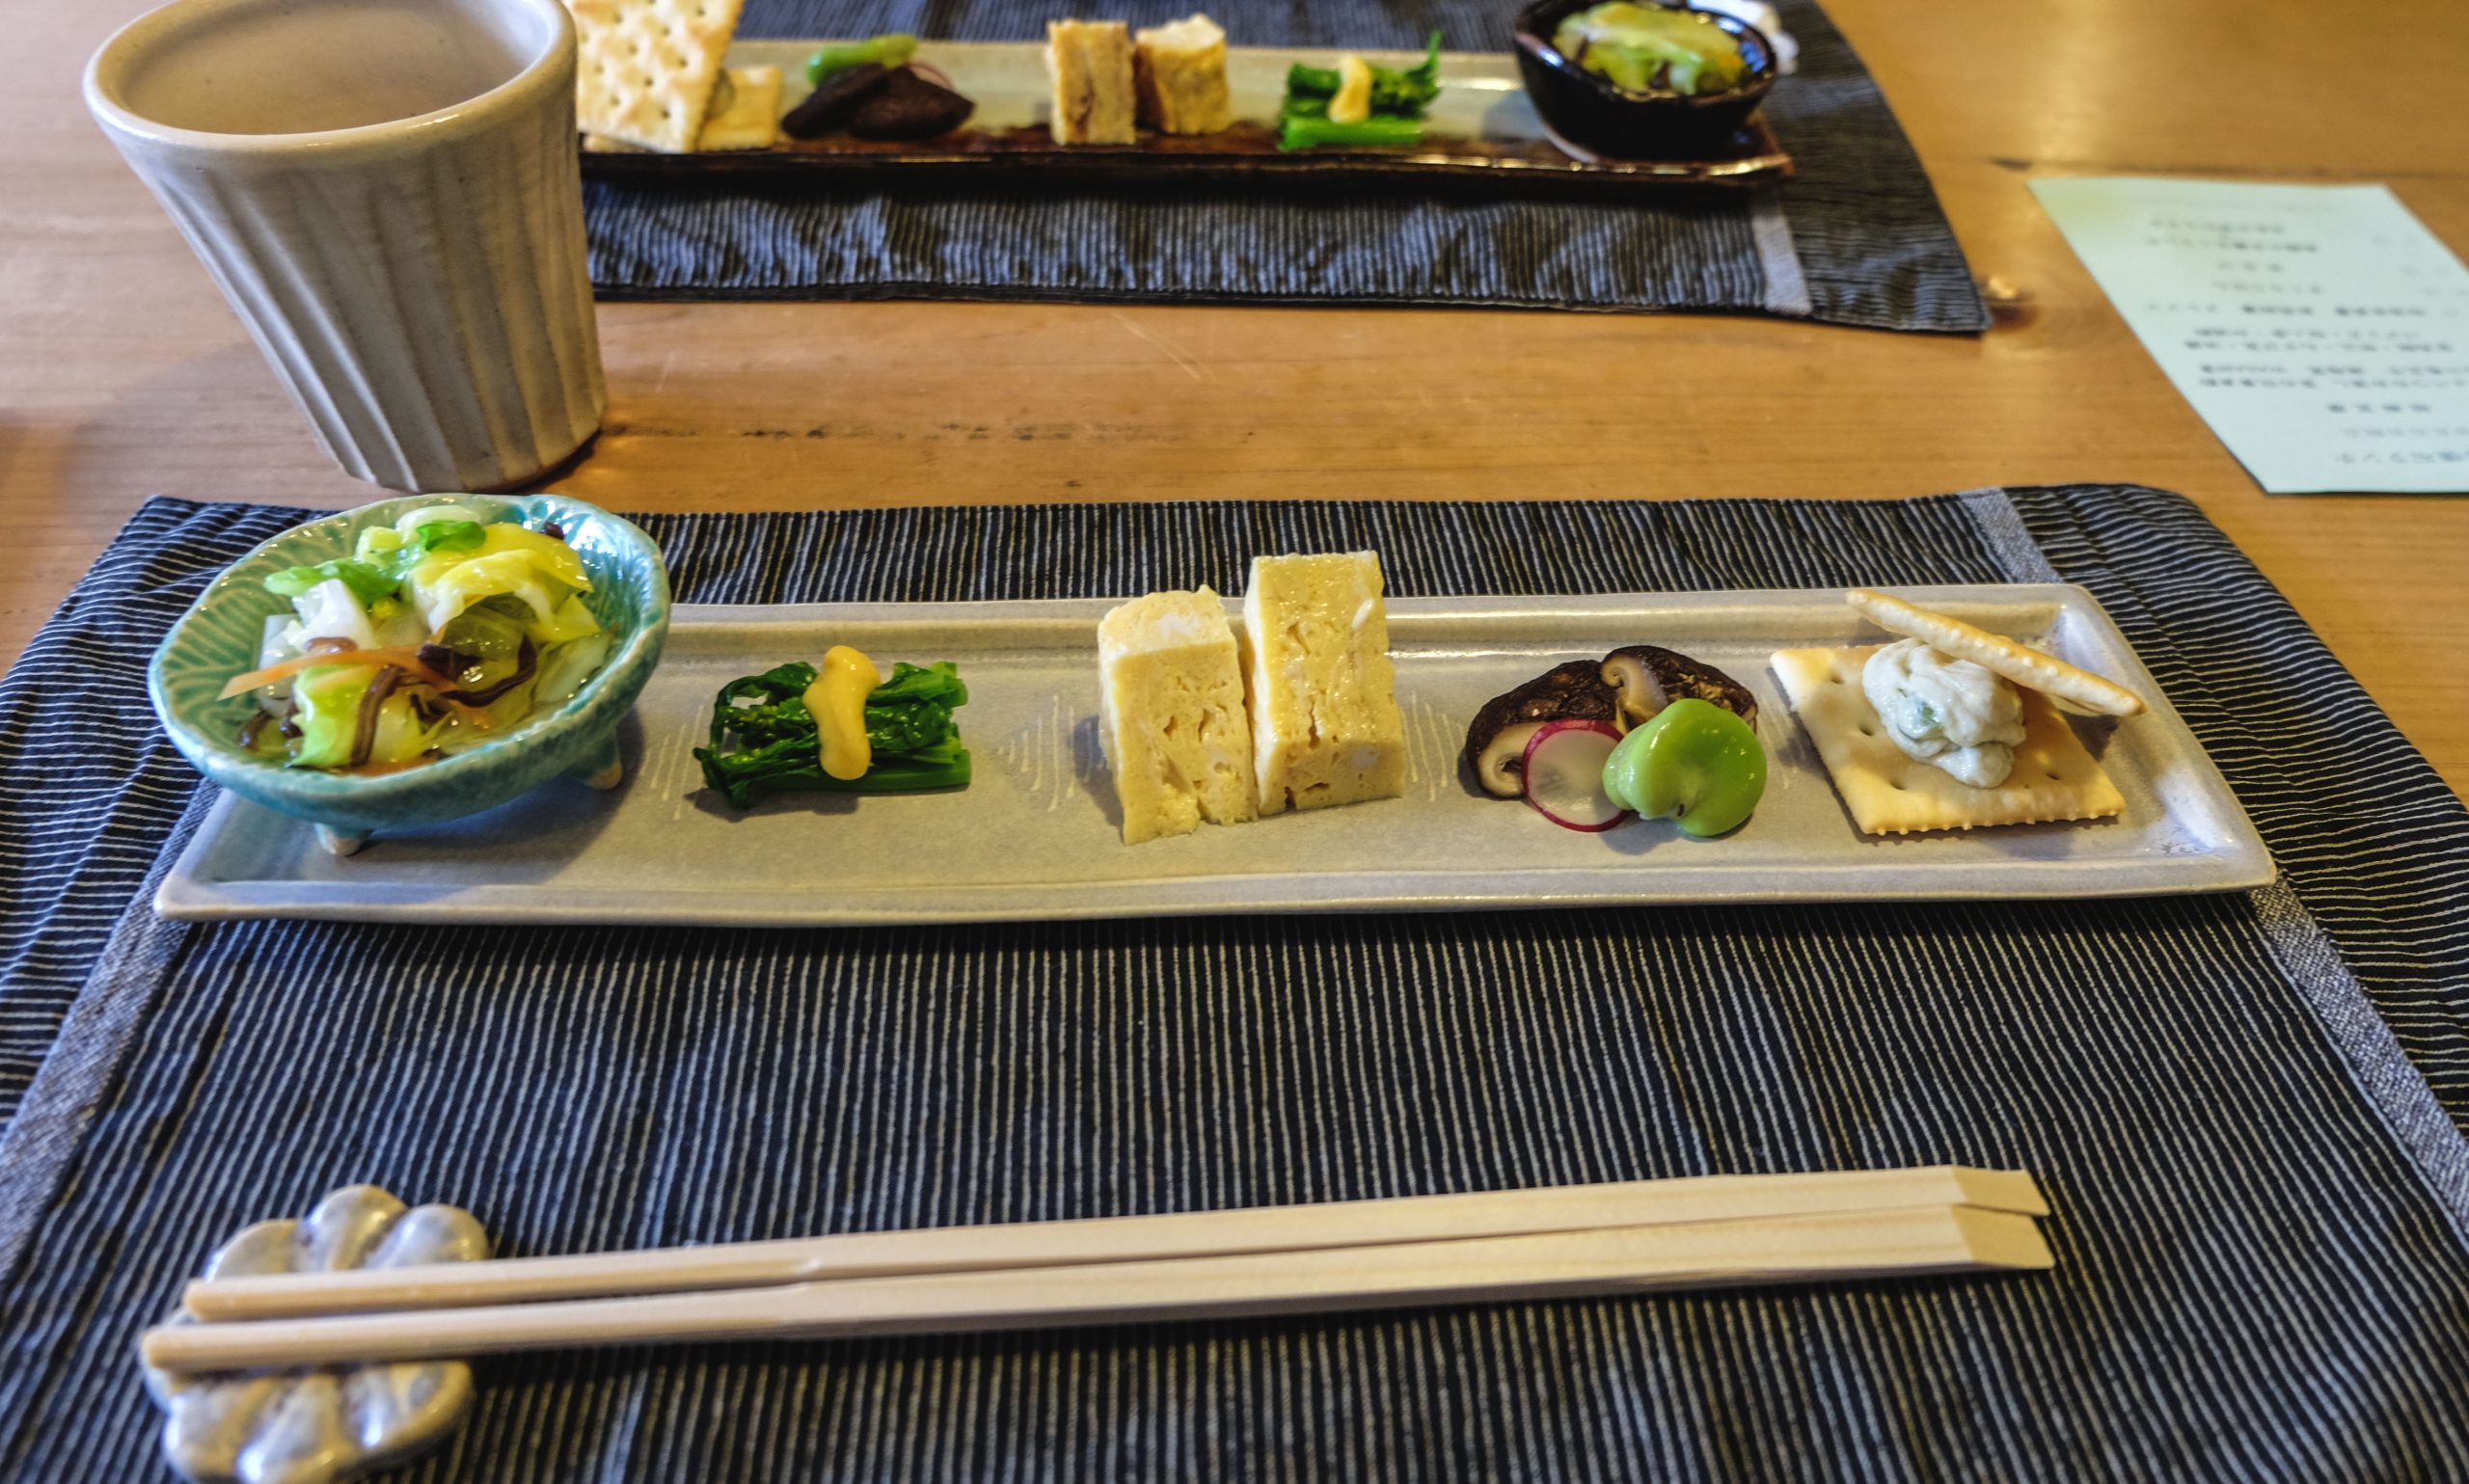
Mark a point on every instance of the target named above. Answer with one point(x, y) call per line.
point(1653, 49)
point(440, 632)
point(582, 592)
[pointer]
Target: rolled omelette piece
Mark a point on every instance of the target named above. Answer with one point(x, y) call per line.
point(1325, 725)
point(1178, 735)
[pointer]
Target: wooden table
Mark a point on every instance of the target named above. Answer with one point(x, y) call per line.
point(122, 374)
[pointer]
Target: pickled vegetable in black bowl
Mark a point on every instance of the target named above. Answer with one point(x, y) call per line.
point(1648, 48)
point(1691, 96)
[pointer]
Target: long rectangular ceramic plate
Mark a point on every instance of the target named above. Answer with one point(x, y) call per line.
point(1483, 131)
point(1035, 835)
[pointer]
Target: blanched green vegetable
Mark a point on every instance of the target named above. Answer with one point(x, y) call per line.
point(763, 739)
point(884, 51)
point(1395, 93)
point(1397, 101)
point(1305, 131)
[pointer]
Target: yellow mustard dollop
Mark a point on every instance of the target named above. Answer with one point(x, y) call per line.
point(1352, 102)
point(837, 702)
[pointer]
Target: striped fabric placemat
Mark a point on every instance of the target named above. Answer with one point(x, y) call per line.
point(1857, 238)
point(2247, 1108)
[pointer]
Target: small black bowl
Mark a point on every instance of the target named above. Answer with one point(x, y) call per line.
point(1587, 110)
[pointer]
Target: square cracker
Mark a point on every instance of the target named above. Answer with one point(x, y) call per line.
point(2024, 665)
point(744, 112)
point(1891, 794)
point(644, 70)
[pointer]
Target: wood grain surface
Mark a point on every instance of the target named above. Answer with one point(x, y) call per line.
point(122, 373)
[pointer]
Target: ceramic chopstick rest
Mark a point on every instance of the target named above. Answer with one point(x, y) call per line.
point(327, 1424)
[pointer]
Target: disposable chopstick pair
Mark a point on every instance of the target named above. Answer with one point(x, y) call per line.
point(1629, 1237)
point(1115, 1239)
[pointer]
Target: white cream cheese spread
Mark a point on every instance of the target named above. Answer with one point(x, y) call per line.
point(1953, 714)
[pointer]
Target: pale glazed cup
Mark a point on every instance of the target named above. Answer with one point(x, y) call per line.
point(387, 191)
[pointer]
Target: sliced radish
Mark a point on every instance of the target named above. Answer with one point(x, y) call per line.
point(1563, 773)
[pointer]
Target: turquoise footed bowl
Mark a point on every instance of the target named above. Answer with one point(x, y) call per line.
point(218, 637)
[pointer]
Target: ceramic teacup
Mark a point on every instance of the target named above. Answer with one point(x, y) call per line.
point(387, 191)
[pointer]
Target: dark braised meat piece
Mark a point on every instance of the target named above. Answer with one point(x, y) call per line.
point(909, 107)
point(835, 101)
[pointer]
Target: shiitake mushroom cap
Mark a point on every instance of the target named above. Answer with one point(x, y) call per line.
point(1496, 738)
point(1647, 678)
point(1624, 687)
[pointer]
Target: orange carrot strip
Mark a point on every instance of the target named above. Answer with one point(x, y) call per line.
point(407, 660)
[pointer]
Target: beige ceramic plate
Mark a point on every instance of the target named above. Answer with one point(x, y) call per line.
point(1035, 836)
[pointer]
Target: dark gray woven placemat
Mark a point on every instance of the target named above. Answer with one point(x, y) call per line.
point(1858, 239)
point(2260, 1203)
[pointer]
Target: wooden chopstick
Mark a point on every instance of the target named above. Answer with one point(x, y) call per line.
point(1830, 1246)
point(1113, 1239)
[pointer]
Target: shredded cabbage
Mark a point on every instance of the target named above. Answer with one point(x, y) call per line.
point(541, 572)
point(409, 524)
point(398, 590)
point(564, 668)
point(401, 736)
point(330, 610)
point(328, 696)
point(281, 640)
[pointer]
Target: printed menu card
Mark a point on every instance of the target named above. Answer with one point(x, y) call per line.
point(2321, 331)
